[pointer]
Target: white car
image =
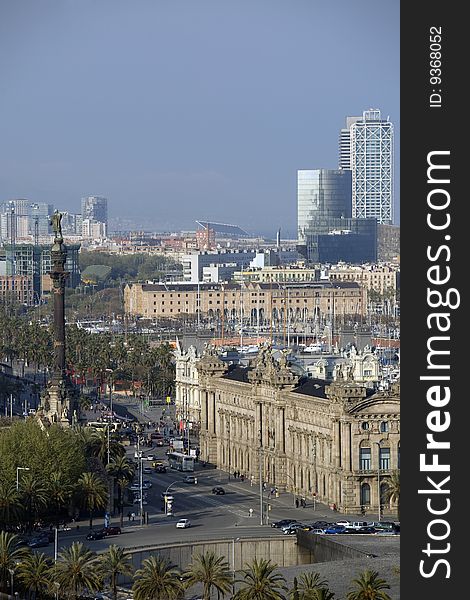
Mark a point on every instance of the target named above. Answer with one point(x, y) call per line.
point(183, 524)
point(344, 523)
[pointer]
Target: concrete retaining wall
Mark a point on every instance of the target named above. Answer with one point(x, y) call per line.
point(325, 549)
point(283, 551)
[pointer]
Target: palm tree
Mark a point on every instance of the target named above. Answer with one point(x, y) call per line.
point(10, 504)
point(261, 582)
point(157, 579)
point(321, 593)
point(306, 585)
point(93, 493)
point(123, 471)
point(76, 571)
point(98, 445)
point(34, 497)
point(369, 587)
point(59, 492)
point(34, 572)
point(393, 492)
point(212, 571)
point(114, 562)
point(10, 554)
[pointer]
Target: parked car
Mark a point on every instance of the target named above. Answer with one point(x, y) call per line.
point(190, 479)
point(95, 535)
point(317, 531)
point(283, 523)
point(39, 542)
point(359, 524)
point(218, 490)
point(183, 524)
point(344, 523)
point(335, 529)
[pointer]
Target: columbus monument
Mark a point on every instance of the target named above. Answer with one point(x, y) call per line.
point(60, 400)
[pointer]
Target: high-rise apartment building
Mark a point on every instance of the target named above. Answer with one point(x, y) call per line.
point(23, 220)
point(371, 163)
point(95, 208)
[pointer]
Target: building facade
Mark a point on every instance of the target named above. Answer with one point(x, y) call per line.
point(383, 279)
point(17, 289)
point(372, 167)
point(95, 208)
point(339, 443)
point(252, 302)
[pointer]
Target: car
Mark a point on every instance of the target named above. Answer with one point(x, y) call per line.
point(95, 535)
point(137, 500)
point(112, 530)
point(147, 483)
point(283, 523)
point(344, 523)
point(147, 470)
point(157, 463)
point(135, 488)
point(358, 524)
point(160, 469)
point(218, 490)
point(334, 529)
point(190, 479)
point(150, 457)
point(183, 524)
point(317, 531)
point(39, 542)
point(366, 530)
point(291, 529)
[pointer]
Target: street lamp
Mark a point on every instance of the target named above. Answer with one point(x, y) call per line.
point(138, 455)
point(378, 477)
point(18, 469)
point(12, 573)
point(233, 563)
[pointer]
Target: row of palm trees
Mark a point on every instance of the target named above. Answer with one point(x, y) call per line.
point(104, 358)
point(78, 571)
point(47, 495)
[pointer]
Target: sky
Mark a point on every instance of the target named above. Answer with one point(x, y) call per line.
point(177, 110)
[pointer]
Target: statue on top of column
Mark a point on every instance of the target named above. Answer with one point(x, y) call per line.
point(56, 226)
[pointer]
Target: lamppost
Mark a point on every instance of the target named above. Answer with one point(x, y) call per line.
point(233, 564)
point(12, 573)
point(378, 478)
point(18, 469)
point(138, 455)
point(227, 425)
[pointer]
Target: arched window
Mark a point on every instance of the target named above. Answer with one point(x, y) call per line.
point(384, 427)
point(364, 425)
point(365, 494)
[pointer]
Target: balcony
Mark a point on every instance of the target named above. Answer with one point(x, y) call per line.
point(373, 472)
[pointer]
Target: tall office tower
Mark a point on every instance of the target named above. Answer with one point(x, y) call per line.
point(345, 143)
point(322, 195)
point(372, 167)
point(95, 208)
point(40, 216)
point(326, 231)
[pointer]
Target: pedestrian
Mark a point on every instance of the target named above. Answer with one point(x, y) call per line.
point(133, 516)
point(252, 480)
point(242, 477)
point(129, 516)
point(234, 474)
point(296, 503)
point(251, 512)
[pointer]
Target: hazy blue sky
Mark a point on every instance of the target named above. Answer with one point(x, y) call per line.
point(184, 109)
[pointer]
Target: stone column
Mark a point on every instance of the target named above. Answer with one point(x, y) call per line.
point(337, 444)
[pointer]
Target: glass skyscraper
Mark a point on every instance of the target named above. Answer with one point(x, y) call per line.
point(95, 208)
point(371, 160)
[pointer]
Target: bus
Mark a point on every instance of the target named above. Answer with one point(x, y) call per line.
point(180, 461)
point(100, 425)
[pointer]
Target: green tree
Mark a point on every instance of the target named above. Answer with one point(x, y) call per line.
point(321, 593)
point(59, 492)
point(369, 586)
point(212, 571)
point(10, 504)
point(393, 492)
point(306, 585)
point(113, 563)
point(157, 579)
point(34, 573)
point(98, 445)
point(122, 470)
point(93, 493)
point(261, 582)
point(34, 497)
point(10, 555)
point(77, 571)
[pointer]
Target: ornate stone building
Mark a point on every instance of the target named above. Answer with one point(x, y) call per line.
point(306, 436)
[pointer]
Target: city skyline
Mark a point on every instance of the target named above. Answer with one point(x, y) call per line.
point(203, 112)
